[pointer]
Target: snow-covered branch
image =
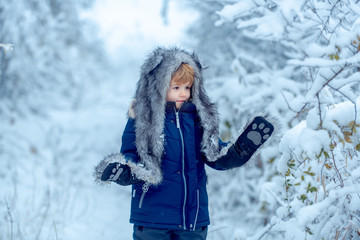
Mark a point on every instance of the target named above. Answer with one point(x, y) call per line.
point(7, 47)
point(321, 62)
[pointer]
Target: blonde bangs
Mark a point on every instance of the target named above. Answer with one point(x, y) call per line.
point(184, 74)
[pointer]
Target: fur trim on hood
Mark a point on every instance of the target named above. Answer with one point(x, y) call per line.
point(149, 107)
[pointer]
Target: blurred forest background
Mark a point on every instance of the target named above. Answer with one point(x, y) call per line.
point(68, 71)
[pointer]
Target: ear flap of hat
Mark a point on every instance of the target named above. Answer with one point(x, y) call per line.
point(152, 62)
point(197, 61)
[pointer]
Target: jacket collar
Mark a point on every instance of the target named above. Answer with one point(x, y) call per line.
point(187, 107)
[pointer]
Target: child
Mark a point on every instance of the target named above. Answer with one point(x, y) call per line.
point(171, 133)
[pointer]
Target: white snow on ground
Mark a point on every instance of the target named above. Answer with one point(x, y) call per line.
point(50, 188)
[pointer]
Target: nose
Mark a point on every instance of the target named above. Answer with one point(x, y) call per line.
point(182, 92)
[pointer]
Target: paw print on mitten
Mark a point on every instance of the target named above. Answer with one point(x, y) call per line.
point(112, 172)
point(116, 171)
point(260, 131)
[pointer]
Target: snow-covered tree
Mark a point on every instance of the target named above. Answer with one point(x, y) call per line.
point(302, 67)
point(52, 57)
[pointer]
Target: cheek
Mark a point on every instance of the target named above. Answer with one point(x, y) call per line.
point(169, 96)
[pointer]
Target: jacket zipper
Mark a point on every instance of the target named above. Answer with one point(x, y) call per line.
point(197, 209)
point(145, 188)
point(183, 164)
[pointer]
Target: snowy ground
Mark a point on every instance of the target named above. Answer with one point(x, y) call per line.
point(47, 164)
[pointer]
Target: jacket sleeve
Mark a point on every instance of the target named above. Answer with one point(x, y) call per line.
point(129, 151)
point(234, 157)
point(250, 140)
point(128, 147)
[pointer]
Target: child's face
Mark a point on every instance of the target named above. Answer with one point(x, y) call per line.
point(178, 93)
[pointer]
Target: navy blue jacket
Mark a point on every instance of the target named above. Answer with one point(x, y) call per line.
point(180, 201)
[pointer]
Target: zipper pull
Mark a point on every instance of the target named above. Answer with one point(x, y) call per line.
point(177, 120)
point(145, 188)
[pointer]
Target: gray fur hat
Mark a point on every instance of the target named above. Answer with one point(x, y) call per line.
point(149, 107)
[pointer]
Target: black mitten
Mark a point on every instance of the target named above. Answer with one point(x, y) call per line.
point(254, 136)
point(119, 173)
point(245, 146)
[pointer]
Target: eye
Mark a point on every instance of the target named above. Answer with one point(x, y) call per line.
point(176, 87)
point(187, 87)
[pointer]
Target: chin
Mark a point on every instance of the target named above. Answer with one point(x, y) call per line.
point(178, 104)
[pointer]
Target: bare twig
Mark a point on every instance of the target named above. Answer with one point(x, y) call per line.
point(287, 103)
point(10, 219)
point(56, 234)
point(322, 178)
point(318, 92)
point(332, 78)
point(47, 199)
point(336, 170)
point(319, 106)
point(276, 197)
point(266, 231)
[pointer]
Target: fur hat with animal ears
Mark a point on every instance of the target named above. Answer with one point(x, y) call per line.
point(150, 102)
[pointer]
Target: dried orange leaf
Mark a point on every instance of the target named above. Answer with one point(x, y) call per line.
point(328, 166)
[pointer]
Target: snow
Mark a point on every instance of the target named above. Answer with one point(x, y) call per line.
point(271, 25)
point(230, 12)
point(288, 143)
point(274, 57)
point(316, 50)
point(311, 147)
point(292, 9)
point(341, 113)
point(73, 142)
point(320, 62)
point(139, 22)
point(6, 47)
